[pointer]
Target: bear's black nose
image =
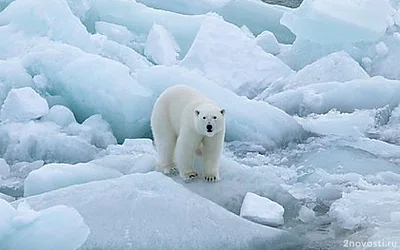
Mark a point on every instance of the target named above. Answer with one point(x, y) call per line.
point(209, 128)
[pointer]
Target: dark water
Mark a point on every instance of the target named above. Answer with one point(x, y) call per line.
point(288, 3)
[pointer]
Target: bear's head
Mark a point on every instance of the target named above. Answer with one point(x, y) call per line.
point(209, 119)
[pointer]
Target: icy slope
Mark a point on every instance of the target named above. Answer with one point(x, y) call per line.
point(141, 211)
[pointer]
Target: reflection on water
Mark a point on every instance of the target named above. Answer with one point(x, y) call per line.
point(288, 3)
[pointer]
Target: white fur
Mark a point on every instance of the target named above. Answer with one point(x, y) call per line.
point(179, 125)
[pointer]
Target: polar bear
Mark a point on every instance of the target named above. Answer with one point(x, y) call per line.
point(183, 123)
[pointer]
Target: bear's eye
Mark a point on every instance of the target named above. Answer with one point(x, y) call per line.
point(204, 117)
point(214, 117)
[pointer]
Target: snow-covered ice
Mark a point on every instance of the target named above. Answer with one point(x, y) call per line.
point(255, 15)
point(125, 213)
point(42, 141)
point(51, 19)
point(306, 214)
point(12, 75)
point(243, 66)
point(261, 210)
point(355, 124)
point(23, 104)
point(381, 49)
point(161, 47)
point(60, 115)
point(338, 66)
point(267, 41)
point(95, 130)
point(4, 169)
point(57, 227)
point(319, 98)
point(350, 212)
point(119, 52)
point(54, 176)
point(127, 163)
point(348, 21)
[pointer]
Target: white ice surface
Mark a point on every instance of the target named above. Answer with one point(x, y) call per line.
point(125, 213)
point(355, 209)
point(4, 169)
point(43, 141)
point(233, 60)
point(267, 41)
point(23, 104)
point(348, 96)
point(261, 210)
point(94, 130)
point(60, 115)
point(12, 75)
point(338, 66)
point(354, 124)
point(160, 46)
point(348, 20)
point(109, 88)
point(119, 52)
point(255, 15)
point(57, 227)
point(55, 176)
point(52, 19)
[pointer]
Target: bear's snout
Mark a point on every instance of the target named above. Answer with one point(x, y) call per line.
point(209, 128)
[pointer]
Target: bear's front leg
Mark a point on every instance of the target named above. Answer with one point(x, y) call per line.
point(186, 146)
point(212, 150)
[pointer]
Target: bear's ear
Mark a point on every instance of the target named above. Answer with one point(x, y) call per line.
point(197, 112)
point(222, 111)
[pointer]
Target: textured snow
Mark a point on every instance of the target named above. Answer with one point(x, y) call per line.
point(127, 163)
point(119, 52)
point(12, 75)
point(42, 141)
point(160, 46)
point(355, 124)
point(387, 127)
point(350, 212)
point(267, 41)
point(109, 89)
point(60, 115)
point(319, 98)
point(243, 66)
point(261, 210)
point(57, 227)
point(397, 18)
point(23, 104)
point(6, 198)
point(4, 169)
point(54, 176)
point(51, 19)
point(348, 21)
point(255, 15)
point(132, 203)
point(119, 34)
point(306, 215)
point(120, 12)
point(381, 49)
point(338, 66)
